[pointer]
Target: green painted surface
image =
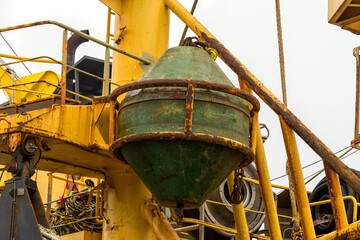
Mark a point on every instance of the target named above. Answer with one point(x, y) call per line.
point(182, 171)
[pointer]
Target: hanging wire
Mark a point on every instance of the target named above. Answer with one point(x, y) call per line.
point(186, 27)
point(314, 175)
point(14, 52)
point(311, 164)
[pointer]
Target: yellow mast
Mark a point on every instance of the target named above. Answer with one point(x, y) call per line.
point(141, 27)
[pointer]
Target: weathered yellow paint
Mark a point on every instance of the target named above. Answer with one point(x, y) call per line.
point(67, 131)
point(123, 200)
point(298, 180)
point(263, 173)
point(146, 34)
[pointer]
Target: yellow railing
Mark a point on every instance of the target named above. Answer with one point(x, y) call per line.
point(66, 28)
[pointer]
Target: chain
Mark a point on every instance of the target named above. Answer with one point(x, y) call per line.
point(195, 42)
point(236, 195)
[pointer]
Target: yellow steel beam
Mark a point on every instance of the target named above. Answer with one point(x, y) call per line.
point(337, 201)
point(241, 225)
point(263, 174)
point(141, 27)
point(265, 186)
point(298, 181)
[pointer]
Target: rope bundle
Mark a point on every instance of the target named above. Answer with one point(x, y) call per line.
point(73, 216)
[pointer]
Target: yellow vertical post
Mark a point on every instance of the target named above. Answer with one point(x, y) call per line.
point(142, 28)
point(241, 225)
point(265, 186)
point(298, 181)
point(97, 202)
point(263, 174)
point(336, 197)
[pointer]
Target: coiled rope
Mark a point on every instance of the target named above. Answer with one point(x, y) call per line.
point(73, 216)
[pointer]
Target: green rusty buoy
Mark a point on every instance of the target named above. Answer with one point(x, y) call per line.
point(182, 171)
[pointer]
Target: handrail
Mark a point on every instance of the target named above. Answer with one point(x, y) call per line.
point(355, 208)
point(81, 34)
point(273, 185)
point(56, 62)
point(248, 210)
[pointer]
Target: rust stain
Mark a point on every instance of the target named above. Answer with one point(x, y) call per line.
point(189, 108)
point(201, 137)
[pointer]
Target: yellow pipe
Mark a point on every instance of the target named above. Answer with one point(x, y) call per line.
point(247, 210)
point(350, 232)
point(263, 174)
point(241, 225)
point(158, 221)
point(28, 59)
point(65, 179)
point(335, 193)
point(298, 181)
point(273, 185)
point(355, 209)
point(265, 185)
point(210, 225)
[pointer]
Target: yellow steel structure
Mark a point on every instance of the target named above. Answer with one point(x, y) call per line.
point(145, 36)
point(298, 180)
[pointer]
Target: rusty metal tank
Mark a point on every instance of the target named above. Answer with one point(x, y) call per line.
point(183, 165)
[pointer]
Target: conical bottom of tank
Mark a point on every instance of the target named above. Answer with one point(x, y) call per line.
point(181, 172)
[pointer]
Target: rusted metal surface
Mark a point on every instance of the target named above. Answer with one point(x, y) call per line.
point(147, 62)
point(351, 232)
point(275, 104)
point(63, 68)
point(297, 180)
point(183, 136)
point(182, 83)
point(73, 43)
point(14, 141)
point(357, 97)
point(336, 197)
point(112, 120)
point(189, 108)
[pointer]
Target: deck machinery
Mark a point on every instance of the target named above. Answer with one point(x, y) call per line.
point(175, 136)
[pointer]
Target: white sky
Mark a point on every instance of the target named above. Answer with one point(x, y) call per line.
point(320, 67)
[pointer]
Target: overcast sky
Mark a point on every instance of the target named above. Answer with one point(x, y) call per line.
point(320, 67)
